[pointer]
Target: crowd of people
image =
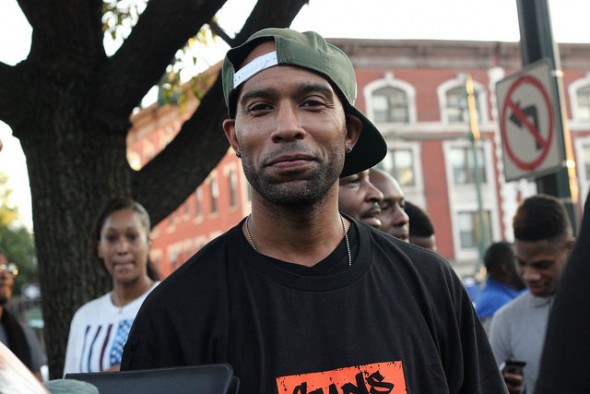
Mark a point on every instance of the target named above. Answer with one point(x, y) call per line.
point(333, 281)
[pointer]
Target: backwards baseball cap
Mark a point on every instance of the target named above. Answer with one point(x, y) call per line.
point(307, 50)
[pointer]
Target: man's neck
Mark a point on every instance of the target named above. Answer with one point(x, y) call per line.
point(302, 235)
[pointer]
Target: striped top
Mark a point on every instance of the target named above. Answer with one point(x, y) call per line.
point(98, 333)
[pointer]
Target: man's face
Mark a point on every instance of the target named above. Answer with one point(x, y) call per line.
point(359, 198)
point(540, 264)
point(394, 219)
point(425, 242)
point(6, 282)
point(291, 131)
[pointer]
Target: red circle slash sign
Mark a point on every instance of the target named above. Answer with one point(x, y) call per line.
point(543, 143)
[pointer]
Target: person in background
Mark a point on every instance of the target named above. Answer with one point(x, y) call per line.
point(564, 362)
point(296, 297)
point(18, 337)
point(394, 220)
point(100, 327)
point(543, 241)
point(502, 284)
point(421, 227)
point(360, 199)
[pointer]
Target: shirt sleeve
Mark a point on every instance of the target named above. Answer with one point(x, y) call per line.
point(37, 356)
point(499, 339)
point(72, 361)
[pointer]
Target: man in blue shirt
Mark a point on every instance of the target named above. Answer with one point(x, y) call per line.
point(503, 283)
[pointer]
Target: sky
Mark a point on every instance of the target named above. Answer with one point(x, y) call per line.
point(486, 20)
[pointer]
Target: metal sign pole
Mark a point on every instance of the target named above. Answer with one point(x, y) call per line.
point(536, 43)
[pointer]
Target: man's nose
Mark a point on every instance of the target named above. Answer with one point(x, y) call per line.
point(287, 124)
point(373, 194)
point(400, 216)
point(529, 273)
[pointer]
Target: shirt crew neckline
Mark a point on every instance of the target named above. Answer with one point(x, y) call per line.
point(331, 273)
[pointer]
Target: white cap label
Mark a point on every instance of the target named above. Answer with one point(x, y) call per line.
point(254, 67)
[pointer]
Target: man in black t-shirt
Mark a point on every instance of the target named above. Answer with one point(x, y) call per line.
point(299, 298)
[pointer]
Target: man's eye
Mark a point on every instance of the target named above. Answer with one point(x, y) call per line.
point(351, 181)
point(313, 102)
point(258, 107)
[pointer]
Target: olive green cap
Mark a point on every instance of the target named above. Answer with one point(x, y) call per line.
point(307, 50)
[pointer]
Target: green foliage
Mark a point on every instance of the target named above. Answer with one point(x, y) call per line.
point(16, 243)
point(8, 213)
point(19, 248)
point(119, 17)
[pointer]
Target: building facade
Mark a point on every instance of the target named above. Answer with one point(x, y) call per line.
point(414, 91)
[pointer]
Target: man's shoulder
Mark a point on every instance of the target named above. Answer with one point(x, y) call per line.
point(515, 307)
point(430, 266)
point(204, 267)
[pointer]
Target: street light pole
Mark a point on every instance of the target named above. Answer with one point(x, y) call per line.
point(474, 137)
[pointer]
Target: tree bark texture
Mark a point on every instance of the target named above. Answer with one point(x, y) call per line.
point(69, 104)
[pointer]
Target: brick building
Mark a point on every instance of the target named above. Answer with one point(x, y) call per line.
point(414, 91)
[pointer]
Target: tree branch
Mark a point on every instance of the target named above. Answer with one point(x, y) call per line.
point(155, 184)
point(11, 94)
point(72, 39)
point(164, 27)
point(215, 28)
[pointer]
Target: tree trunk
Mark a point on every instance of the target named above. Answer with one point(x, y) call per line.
point(69, 104)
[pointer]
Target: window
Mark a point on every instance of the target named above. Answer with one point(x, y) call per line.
point(453, 101)
point(198, 202)
point(583, 109)
point(470, 230)
point(586, 158)
point(457, 110)
point(186, 209)
point(390, 105)
point(400, 164)
point(233, 188)
point(462, 164)
point(172, 220)
point(390, 100)
point(213, 194)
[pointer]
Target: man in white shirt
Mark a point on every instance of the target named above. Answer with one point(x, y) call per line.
point(543, 241)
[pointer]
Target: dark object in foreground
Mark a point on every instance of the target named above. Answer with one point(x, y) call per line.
point(202, 379)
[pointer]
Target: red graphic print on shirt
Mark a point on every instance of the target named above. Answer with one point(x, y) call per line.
point(387, 377)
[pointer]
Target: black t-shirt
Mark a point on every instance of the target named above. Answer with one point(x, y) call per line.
point(397, 319)
point(564, 363)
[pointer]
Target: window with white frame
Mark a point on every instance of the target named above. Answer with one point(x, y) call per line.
point(232, 183)
point(457, 109)
point(452, 96)
point(462, 160)
point(470, 230)
point(198, 202)
point(586, 160)
point(399, 162)
point(390, 100)
point(390, 105)
point(583, 104)
point(213, 195)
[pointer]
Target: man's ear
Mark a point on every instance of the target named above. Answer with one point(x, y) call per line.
point(229, 128)
point(354, 128)
point(570, 245)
